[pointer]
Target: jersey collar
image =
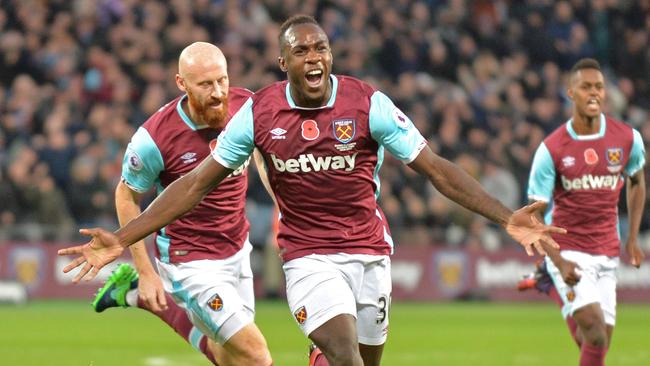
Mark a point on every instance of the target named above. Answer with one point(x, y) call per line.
point(188, 121)
point(594, 136)
point(330, 103)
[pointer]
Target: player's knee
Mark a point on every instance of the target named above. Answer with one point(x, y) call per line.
point(249, 348)
point(594, 331)
point(256, 357)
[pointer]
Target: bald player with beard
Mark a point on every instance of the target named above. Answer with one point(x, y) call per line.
point(205, 287)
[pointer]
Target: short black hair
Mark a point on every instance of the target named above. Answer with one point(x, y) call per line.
point(585, 63)
point(294, 20)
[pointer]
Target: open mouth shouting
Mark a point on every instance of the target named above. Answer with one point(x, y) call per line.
point(593, 104)
point(314, 78)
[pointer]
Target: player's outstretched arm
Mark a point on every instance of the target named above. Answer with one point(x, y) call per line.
point(635, 203)
point(178, 198)
point(150, 288)
point(457, 185)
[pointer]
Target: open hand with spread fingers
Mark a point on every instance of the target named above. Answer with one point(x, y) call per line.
point(101, 250)
point(525, 228)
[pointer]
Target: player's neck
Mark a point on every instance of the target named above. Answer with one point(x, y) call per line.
point(301, 100)
point(583, 125)
point(189, 111)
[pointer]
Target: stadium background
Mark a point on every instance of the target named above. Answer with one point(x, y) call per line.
point(483, 80)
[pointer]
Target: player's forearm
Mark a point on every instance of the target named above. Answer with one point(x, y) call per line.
point(127, 205)
point(457, 185)
point(636, 197)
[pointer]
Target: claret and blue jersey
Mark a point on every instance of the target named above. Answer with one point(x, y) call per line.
point(167, 146)
point(323, 163)
point(581, 176)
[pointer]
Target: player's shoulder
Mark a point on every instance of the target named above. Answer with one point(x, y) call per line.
point(616, 125)
point(236, 98)
point(238, 92)
point(164, 113)
point(350, 84)
point(558, 136)
point(274, 90)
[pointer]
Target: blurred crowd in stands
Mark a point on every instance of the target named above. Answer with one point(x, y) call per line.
point(484, 81)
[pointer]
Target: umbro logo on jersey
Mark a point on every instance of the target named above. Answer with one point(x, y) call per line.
point(568, 161)
point(188, 157)
point(278, 133)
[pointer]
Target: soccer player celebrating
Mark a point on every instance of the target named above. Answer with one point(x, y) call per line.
point(578, 170)
point(203, 257)
point(322, 137)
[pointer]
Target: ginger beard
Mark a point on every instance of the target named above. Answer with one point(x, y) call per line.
point(213, 111)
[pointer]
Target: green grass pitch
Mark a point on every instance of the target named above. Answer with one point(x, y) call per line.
point(69, 333)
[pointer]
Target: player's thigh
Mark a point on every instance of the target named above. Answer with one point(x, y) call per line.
point(317, 292)
point(208, 291)
point(245, 286)
point(373, 302)
point(607, 287)
point(585, 292)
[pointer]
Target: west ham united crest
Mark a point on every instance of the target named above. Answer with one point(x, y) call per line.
point(215, 303)
point(300, 315)
point(344, 129)
point(570, 295)
point(614, 159)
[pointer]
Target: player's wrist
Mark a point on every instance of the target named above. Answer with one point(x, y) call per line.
point(122, 238)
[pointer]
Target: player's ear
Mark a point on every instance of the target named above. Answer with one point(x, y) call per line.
point(283, 64)
point(180, 83)
point(569, 93)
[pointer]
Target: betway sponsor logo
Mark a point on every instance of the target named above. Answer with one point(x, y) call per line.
point(589, 181)
point(308, 162)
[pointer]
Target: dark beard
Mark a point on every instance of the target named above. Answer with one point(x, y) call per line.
point(214, 119)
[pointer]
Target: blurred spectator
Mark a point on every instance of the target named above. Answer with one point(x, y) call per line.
point(483, 80)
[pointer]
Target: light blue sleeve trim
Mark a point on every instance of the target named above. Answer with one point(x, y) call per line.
point(542, 176)
point(637, 155)
point(142, 162)
point(393, 129)
point(236, 143)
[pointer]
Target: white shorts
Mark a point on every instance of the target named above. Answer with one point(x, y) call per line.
point(320, 287)
point(216, 294)
point(597, 284)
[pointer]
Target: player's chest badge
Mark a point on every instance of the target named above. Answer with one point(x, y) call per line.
point(310, 130)
point(344, 131)
point(591, 156)
point(614, 159)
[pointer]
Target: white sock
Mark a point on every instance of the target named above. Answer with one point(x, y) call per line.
point(132, 297)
